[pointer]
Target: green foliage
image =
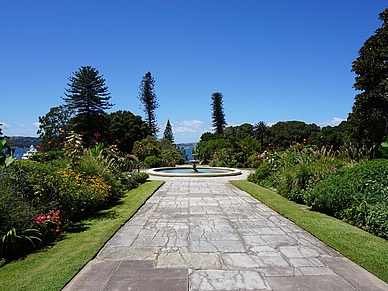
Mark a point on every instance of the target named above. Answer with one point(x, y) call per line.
point(262, 173)
point(146, 147)
point(168, 132)
point(149, 101)
point(139, 177)
point(352, 193)
point(48, 186)
point(16, 244)
point(152, 162)
point(261, 131)
point(223, 157)
point(88, 96)
point(4, 160)
point(288, 133)
point(218, 116)
point(164, 150)
point(43, 157)
point(235, 134)
point(125, 129)
point(368, 119)
point(376, 220)
point(15, 211)
point(52, 127)
point(384, 148)
point(205, 149)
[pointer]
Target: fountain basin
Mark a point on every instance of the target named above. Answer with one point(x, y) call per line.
point(187, 171)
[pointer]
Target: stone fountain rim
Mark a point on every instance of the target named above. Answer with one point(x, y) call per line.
point(229, 172)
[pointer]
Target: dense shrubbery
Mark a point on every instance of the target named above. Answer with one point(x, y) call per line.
point(330, 182)
point(41, 195)
point(154, 153)
point(358, 195)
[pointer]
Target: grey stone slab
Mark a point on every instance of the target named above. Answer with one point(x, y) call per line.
point(280, 272)
point(354, 274)
point(195, 261)
point(241, 261)
point(276, 261)
point(279, 240)
point(128, 253)
point(93, 277)
point(309, 283)
point(214, 280)
point(148, 285)
point(299, 252)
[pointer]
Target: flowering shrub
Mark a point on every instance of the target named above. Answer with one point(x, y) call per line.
point(81, 194)
point(49, 225)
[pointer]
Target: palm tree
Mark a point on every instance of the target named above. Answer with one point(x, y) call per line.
point(261, 130)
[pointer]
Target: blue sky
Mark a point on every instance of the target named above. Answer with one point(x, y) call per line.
point(272, 60)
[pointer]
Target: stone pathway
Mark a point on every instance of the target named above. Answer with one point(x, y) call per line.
point(205, 234)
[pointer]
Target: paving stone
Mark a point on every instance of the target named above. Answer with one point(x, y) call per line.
point(196, 261)
point(281, 272)
point(128, 253)
point(93, 277)
point(316, 271)
point(204, 234)
point(354, 274)
point(241, 261)
point(298, 252)
point(309, 283)
point(213, 280)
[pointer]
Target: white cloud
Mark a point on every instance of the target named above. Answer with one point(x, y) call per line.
point(189, 127)
point(333, 122)
point(4, 125)
point(22, 130)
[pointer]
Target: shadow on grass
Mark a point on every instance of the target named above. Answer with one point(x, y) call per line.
point(77, 227)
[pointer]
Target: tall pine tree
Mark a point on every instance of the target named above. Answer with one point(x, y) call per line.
point(218, 115)
point(149, 101)
point(88, 95)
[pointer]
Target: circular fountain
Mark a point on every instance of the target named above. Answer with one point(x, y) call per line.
point(194, 171)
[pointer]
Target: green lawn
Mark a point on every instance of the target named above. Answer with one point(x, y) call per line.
point(53, 268)
point(361, 247)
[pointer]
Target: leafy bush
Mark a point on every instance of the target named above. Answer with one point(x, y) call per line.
point(15, 244)
point(152, 162)
point(261, 173)
point(47, 156)
point(132, 179)
point(15, 211)
point(377, 219)
point(81, 195)
point(344, 194)
point(140, 178)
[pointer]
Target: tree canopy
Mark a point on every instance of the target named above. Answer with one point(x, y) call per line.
point(88, 95)
point(218, 115)
point(168, 132)
point(286, 133)
point(149, 101)
point(369, 117)
point(53, 125)
point(125, 129)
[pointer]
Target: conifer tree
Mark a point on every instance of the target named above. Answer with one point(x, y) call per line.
point(168, 132)
point(88, 95)
point(149, 101)
point(218, 115)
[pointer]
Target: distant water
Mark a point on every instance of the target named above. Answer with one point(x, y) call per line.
point(18, 153)
point(188, 152)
